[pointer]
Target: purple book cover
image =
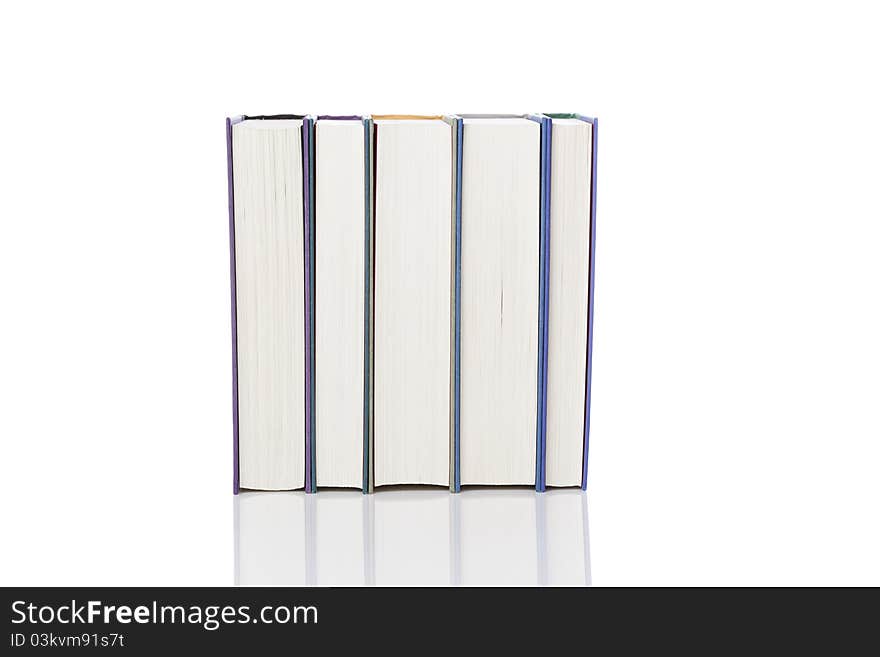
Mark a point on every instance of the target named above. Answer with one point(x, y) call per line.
point(229, 123)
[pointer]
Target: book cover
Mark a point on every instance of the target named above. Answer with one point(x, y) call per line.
point(457, 124)
point(231, 194)
point(308, 140)
point(543, 299)
point(369, 264)
point(458, 137)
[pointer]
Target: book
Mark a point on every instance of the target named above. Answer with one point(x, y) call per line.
point(268, 162)
point(572, 273)
point(564, 537)
point(411, 538)
point(413, 214)
point(497, 533)
point(499, 300)
point(342, 301)
point(272, 545)
point(340, 526)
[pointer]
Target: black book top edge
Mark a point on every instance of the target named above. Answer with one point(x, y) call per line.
point(272, 117)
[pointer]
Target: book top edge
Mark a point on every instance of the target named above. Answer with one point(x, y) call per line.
point(279, 124)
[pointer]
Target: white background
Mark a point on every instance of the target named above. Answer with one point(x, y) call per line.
point(737, 369)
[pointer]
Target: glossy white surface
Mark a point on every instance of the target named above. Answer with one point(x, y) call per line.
point(477, 538)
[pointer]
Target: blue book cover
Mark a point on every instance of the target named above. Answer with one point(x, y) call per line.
point(457, 124)
point(543, 301)
point(309, 222)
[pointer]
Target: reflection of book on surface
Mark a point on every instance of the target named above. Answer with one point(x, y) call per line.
point(294, 539)
point(339, 531)
point(566, 538)
point(411, 539)
point(270, 539)
point(494, 537)
point(517, 538)
point(498, 538)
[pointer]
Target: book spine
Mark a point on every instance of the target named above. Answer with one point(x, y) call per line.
point(368, 307)
point(309, 280)
point(591, 293)
point(234, 315)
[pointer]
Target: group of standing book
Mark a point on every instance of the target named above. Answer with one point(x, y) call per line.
point(412, 299)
